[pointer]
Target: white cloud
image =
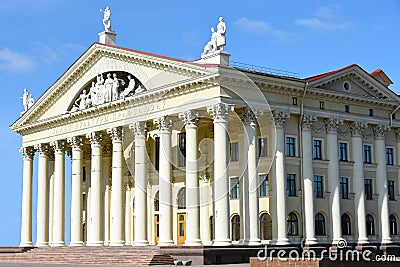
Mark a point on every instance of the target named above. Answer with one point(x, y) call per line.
point(14, 61)
point(260, 27)
point(317, 24)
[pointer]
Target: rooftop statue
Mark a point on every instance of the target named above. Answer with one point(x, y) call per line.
point(218, 39)
point(107, 19)
point(27, 100)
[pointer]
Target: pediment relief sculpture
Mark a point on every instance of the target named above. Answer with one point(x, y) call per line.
point(107, 87)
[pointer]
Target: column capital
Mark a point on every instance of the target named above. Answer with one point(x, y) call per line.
point(280, 118)
point(307, 122)
point(116, 134)
point(43, 149)
point(76, 142)
point(59, 145)
point(380, 130)
point(138, 128)
point(190, 118)
point(357, 128)
point(220, 111)
point(27, 152)
point(164, 123)
point(249, 116)
point(397, 133)
point(95, 138)
point(332, 124)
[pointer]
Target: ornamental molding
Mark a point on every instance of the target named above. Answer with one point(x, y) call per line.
point(27, 152)
point(116, 134)
point(163, 123)
point(220, 111)
point(190, 118)
point(76, 142)
point(249, 116)
point(397, 133)
point(307, 122)
point(357, 128)
point(59, 145)
point(332, 125)
point(43, 149)
point(280, 118)
point(139, 128)
point(380, 130)
point(95, 138)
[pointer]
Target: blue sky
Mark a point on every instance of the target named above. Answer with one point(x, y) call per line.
point(40, 39)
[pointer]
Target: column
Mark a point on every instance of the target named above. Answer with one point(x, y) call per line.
point(59, 193)
point(107, 153)
point(249, 118)
point(42, 234)
point(117, 218)
point(26, 222)
point(220, 114)
point(128, 211)
point(279, 214)
point(381, 182)
point(243, 186)
point(358, 179)
point(76, 143)
point(332, 125)
point(397, 134)
point(51, 196)
point(165, 177)
point(139, 130)
point(191, 121)
point(95, 233)
point(87, 156)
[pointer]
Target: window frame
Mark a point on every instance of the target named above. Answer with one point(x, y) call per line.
point(393, 227)
point(292, 222)
point(368, 196)
point(347, 151)
point(181, 149)
point(234, 188)
point(370, 224)
point(263, 153)
point(341, 187)
point(291, 187)
point(346, 223)
point(264, 185)
point(234, 152)
point(319, 224)
point(315, 187)
point(391, 190)
point(294, 154)
point(370, 153)
point(321, 149)
point(235, 227)
point(392, 155)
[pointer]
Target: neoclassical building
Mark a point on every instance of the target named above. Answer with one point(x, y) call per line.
point(171, 152)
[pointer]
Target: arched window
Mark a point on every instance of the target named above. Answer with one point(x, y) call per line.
point(393, 224)
point(235, 222)
point(182, 198)
point(156, 202)
point(370, 225)
point(265, 226)
point(346, 224)
point(292, 224)
point(319, 224)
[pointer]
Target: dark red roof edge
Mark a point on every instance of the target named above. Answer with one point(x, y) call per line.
point(323, 75)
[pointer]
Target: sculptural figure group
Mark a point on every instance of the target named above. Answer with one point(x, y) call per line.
point(218, 39)
point(27, 100)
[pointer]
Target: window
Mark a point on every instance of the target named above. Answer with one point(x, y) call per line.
point(321, 105)
point(235, 222)
point(346, 108)
point(346, 224)
point(389, 156)
point(346, 86)
point(212, 228)
point(368, 188)
point(234, 151)
point(262, 147)
point(291, 184)
point(182, 150)
point(393, 116)
point(319, 224)
point(264, 185)
point(292, 224)
point(370, 225)
point(84, 173)
point(391, 189)
point(367, 154)
point(393, 224)
point(317, 149)
point(290, 147)
point(344, 187)
point(318, 186)
point(294, 101)
point(265, 226)
point(343, 152)
point(181, 198)
point(157, 202)
point(235, 188)
point(157, 153)
point(370, 112)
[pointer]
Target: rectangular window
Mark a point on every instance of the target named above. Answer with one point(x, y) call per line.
point(368, 188)
point(317, 149)
point(235, 151)
point(262, 147)
point(370, 112)
point(344, 187)
point(290, 147)
point(84, 173)
point(389, 156)
point(321, 105)
point(367, 154)
point(264, 185)
point(182, 150)
point(391, 189)
point(294, 99)
point(318, 186)
point(157, 153)
point(235, 185)
point(346, 108)
point(291, 184)
point(343, 152)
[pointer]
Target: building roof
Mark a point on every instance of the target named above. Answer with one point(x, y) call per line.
point(327, 74)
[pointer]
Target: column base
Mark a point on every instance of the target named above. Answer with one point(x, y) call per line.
point(42, 244)
point(311, 241)
point(58, 244)
point(163, 243)
point(222, 242)
point(95, 244)
point(254, 242)
point(128, 243)
point(140, 243)
point(386, 241)
point(26, 244)
point(243, 242)
point(119, 243)
point(194, 242)
point(76, 244)
point(281, 242)
point(106, 243)
point(362, 241)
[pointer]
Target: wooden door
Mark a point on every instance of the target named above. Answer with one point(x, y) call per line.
point(156, 228)
point(181, 228)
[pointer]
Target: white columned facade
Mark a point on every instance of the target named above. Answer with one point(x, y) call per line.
point(117, 215)
point(95, 233)
point(139, 130)
point(42, 234)
point(220, 115)
point(279, 213)
point(107, 153)
point(358, 179)
point(128, 211)
point(191, 120)
point(244, 185)
point(381, 182)
point(165, 178)
point(59, 193)
point(51, 196)
point(26, 222)
point(332, 125)
point(76, 143)
point(87, 158)
point(308, 178)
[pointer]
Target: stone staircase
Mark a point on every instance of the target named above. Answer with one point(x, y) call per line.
point(118, 256)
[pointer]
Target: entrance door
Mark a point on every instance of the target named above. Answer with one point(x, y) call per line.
point(181, 228)
point(156, 228)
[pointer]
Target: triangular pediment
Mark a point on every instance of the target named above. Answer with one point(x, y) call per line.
point(352, 80)
point(148, 72)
